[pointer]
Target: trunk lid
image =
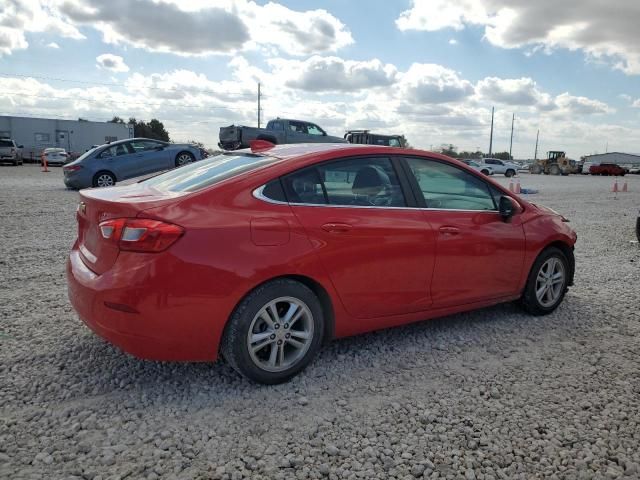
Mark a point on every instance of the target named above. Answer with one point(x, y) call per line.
point(100, 204)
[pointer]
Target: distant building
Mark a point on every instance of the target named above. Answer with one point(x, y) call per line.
point(73, 135)
point(614, 157)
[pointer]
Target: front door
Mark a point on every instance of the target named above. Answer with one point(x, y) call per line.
point(479, 256)
point(378, 253)
point(150, 156)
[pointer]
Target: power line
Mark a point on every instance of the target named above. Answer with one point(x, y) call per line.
point(202, 107)
point(120, 85)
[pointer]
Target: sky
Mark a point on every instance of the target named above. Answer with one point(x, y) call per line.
point(429, 69)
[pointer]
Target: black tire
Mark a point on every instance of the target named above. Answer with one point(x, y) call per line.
point(510, 173)
point(99, 179)
point(183, 158)
point(529, 300)
point(485, 172)
point(234, 345)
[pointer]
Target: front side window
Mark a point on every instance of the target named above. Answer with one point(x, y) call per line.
point(314, 130)
point(145, 145)
point(394, 142)
point(444, 186)
point(354, 182)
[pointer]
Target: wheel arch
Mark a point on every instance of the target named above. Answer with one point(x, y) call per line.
point(268, 138)
point(567, 250)
point(316, 287)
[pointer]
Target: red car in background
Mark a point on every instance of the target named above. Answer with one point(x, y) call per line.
point(261, 256)
point(607, 169)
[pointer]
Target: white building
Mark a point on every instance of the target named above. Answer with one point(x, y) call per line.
point(73, 135)
point(618, 158)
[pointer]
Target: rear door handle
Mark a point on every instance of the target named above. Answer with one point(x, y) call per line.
point(336, 227)
point(449, 230)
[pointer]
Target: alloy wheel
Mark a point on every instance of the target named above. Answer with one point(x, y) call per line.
point(105, 180)
point(280, 334)
point(183, 159)
point(550, 282)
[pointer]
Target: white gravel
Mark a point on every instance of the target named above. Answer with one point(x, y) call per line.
point(493, 394)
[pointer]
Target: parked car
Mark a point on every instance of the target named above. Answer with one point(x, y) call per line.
point(278, 131)
point(607, 169)
point(10, 152)
point(261, 256)
point(635, 169)
point(365, 137)
point(107, 164)
point(55, 156)
point(484, 169)
point(586, 167)
point(500, 166)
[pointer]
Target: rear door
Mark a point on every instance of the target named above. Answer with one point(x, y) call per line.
point(378, 252)
point(120, 160)
point(479, 256)
point(297, 132)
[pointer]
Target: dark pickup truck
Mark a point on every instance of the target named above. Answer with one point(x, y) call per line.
point(278, 131)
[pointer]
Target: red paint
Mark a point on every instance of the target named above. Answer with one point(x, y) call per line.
point(380, 267)
point(607, 169)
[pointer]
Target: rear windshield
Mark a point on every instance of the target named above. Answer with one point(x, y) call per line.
point(6, 143)
point(198, 175)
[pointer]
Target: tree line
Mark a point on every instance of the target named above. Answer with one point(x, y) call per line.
point(152, 129)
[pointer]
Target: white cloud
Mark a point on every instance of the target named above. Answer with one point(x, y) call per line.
point(431, 83)
point(201, 28)
point(582, 105)
point(53, 45)
point(333, 74)
point(20, 16)
point(115, 63)
point(514, 91)
point(453, 41)
point(600, 29)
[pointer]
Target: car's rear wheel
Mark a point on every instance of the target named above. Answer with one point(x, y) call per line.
point(104, 179)
point(183, 158)
point(274, 332)
point(484, 171)
point(547, 282)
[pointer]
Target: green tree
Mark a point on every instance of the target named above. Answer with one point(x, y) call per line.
point(154, 129)
point(116, 119)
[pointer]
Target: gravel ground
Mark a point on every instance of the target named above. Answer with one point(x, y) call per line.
point(492, 394)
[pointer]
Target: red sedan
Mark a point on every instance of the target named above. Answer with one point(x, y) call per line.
point(261, 256)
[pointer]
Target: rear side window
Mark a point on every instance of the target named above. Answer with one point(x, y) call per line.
point(6, 143)
point(202, 174)
point(273, 191)
point(355, 182)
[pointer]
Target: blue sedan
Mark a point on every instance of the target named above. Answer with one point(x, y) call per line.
point(113, 162)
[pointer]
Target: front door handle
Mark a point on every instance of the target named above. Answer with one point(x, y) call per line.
point(336, 227)
point(449, 230)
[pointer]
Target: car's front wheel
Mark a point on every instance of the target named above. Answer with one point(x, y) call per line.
point(547, 282)
point(274, 332)
point(510, 173)
point(183, 158)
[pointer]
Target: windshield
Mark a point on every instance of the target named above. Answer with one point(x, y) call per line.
point(196, 176)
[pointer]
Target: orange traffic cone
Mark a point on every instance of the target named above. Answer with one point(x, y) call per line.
point(614, 189)
point(517, 186)
point(510, 185)
point(43, 158)
point(624, 186)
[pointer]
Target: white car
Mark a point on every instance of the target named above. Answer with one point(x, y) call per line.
point(500, 166)
point(484, 169)
point(56, 156)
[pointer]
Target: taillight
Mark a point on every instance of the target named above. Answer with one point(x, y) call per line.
point(71, 168)
point(140, 234)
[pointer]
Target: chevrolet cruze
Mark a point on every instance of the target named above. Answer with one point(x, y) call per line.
point(261, 255)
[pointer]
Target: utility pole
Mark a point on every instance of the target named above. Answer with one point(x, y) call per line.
point(491, 136)
point(535, 155)
point(513, 119)
point(258, 104)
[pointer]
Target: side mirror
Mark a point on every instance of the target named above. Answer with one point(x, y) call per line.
point(20, 146)
point(507, 207)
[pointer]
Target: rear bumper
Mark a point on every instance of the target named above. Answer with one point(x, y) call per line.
point(154, 326)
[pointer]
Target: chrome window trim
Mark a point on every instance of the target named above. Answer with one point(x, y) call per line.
point(258, 194)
